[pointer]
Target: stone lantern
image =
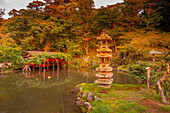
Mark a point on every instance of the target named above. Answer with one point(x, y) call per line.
point(104, 71)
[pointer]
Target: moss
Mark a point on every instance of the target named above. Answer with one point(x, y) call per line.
point(83, 109)
point(100, 106)
point(141, 109)
point(113, 94)
point(120, 98)
point(165, 108)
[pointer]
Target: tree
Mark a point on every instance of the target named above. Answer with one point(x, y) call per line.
point(11, 54)
point(141, 41)
point(149, 15)
point(115, 35)
point(162, 7)
point(13, 13)
point(26, 32)
point(106, 18)
point(2, 12)
point(36, 5)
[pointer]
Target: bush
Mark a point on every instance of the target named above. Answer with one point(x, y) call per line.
point(139, 71)
point(167, 58)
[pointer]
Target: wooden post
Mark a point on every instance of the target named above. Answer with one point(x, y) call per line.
point(57, 69)
point(44, 64)
point(57, 74)
point(68, 67)
point(33, 68)
point(57, 65)
point(159, 86)
point(148, 77)
point(53, 65)
point(47, 64)
point(39, 67)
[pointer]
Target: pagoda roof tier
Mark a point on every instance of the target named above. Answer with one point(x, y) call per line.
point(105, 73)
point(108, 75)
point(105, 55)
point(104, 65)
point(104, 50)
point(104, 36)
point(104, 81)
point(104, 69)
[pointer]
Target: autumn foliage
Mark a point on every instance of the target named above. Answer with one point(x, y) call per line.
point(72, 26)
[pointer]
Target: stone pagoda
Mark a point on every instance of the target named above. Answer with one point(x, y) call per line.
point(104, 71)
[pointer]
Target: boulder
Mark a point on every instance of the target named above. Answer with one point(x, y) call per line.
point(79, 103)
point(78, 98)
point(87, 105)
point(84, 94)
point(90, 96)
point(76, 90)
point(98, 98)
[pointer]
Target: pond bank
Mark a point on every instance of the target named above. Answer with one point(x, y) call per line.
point(119, 98)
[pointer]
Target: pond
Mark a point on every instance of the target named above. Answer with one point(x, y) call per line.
point(46, 92)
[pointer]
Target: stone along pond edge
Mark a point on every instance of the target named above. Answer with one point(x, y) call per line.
point(119, 98)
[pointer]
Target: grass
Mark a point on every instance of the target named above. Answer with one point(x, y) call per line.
point(116, 99)
point(165, 108)
point(121, 98)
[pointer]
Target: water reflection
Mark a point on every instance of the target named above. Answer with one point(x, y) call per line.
point(45, 92)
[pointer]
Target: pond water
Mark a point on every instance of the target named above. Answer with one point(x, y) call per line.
point(46, 92)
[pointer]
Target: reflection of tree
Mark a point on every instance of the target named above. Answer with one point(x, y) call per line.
point(48, 79)
point(86, 74)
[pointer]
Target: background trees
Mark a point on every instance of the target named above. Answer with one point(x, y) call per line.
point(73, 25)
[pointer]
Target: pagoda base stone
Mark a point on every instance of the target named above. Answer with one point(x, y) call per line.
point(105, 86)
point(104, 81)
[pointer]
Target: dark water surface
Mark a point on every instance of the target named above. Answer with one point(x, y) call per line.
point(49, 92)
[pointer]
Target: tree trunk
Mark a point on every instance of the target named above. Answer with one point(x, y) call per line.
point(165, 55)
point(159, 85)
point(115, 47)
point(86, 47)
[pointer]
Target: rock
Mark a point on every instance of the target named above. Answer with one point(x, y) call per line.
point(87, 105)
point(73, 91)
point(78, 98)
point(84, 94)
point(90, 96)
point(97, 98)
point(79, 89)
point(76, 90)
point(79, 103)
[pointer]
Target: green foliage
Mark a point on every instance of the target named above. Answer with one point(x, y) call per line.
point(74, 49)
point(100, 107)
point(40, 58)
point(12, 55)
point(72, 27)
point(139, 71)
point(94, 66)
point(167, 58)
point(165, 108)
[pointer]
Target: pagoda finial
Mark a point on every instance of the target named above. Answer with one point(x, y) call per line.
point(104, 35)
